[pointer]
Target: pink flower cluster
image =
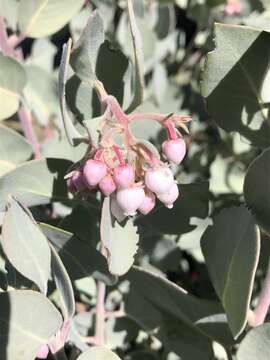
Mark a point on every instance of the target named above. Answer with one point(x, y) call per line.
point(132, 174)
point(233, 7)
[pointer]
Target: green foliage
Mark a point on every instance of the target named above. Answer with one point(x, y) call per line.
point(176, 318)
point(120, 252)
point(255, 345)
point(22, 150)
point(28, 320)
point(233, 80)
point(35, 182)
point(99, 353)
point(231, 250)
point(34, 258)
point(255, 188)
point(45, 17)
point(12, 82)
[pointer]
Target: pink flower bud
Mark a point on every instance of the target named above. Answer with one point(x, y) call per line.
point(174, 150)
point(43, 352)
point(78, 180)
point(169, 198)
point(107, 185)
point(130, 199)
point(94, 171)
point(148, 204)
point(124, 175)
point(159, 179)
point(233, 8)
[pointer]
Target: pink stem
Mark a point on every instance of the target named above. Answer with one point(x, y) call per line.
point(258, 316)
point(171, 131)
point(26, 121)
point(119, 155)
point(100, 314)
point(4, 45)
point(15, 40)
point(116, 109)
point(161, 118)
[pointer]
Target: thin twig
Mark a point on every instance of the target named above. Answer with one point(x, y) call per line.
point(26, 122)
point(100, 314)
point(4, 45)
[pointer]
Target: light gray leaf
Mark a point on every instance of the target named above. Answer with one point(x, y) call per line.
point(98, 353)
point(35, 182)
point(119, 241)
point(63, 285)
point(139, 59)
point(25, 245)
point(73, 136)
point(38, 18)
point(10, 139)
point(28, 320)
point(231, 249)
point(85, 51)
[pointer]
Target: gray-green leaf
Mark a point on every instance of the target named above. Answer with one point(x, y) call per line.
point(79, 257)
point(72, 134)
point(233, 79)
point(35, 182)
point(10, 139)
point(119, 241)
point(176, 318)
point(12, 82)
point(25, 245)
point(98, 353)
point(256, 344)
point(139, 59)
point(38, 18)
point(85, 51)
point(63, 285)
point(28, 320)
point(256, 185)
point(231, 250)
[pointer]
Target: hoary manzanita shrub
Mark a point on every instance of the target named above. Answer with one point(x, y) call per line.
point(131, 173)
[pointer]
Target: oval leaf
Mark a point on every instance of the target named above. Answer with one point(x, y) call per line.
point(63, 285)
point(98, 353)
point(38, 18)
point(138, 57)
point(20, 231)
point(79, 257)
point(12, 82)
point(10, 139)
point(178, 319)
point(28, 320)
point(119, 241)
point(231, 249)
point(84, 53)
point(233, 78)
point(256, 185)
point(256, 344)
point(41, 96)
point(35, 182)
point(72, 134)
